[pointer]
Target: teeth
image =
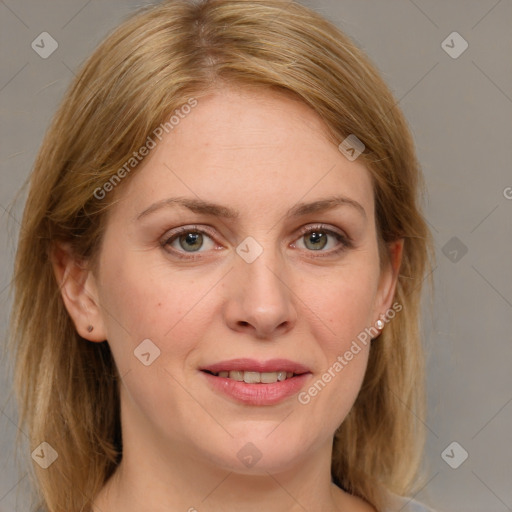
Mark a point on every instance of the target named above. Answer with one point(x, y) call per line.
point(235, 375)
point(252, 377)
point(269, 378)
point(256, 377)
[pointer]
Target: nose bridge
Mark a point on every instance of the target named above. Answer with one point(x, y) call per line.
point(261, 271)
point(264, 279)
point(260, 297)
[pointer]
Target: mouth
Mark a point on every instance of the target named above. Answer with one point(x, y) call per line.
point(252, 377)
point(254, 382)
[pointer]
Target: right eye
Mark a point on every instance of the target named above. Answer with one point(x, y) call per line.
point(188, 240)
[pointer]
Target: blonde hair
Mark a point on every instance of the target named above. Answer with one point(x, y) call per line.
point(153, 63)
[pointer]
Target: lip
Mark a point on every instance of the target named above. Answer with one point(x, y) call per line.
point(257, 394)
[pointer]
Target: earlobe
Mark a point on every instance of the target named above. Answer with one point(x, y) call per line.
point(79, 292)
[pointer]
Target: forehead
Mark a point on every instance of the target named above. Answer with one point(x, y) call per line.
point(250, 149)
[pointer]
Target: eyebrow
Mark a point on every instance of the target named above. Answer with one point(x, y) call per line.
point(207, 208)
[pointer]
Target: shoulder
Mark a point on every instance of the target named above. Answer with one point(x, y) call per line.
point(405, 504)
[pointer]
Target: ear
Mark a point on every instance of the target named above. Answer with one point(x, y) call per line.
point(388, 277)
point(79, 292)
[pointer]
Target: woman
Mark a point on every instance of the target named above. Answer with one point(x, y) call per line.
point(219, 273)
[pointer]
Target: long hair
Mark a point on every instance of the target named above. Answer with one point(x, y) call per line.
point(152, 64)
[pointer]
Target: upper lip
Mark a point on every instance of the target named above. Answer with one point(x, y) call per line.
point(252, 365)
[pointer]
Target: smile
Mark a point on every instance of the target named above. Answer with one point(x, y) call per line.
point(255, 377)
point(254, 382)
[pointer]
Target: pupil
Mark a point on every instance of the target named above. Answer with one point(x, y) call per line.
point(192, 240)
point(317, 239)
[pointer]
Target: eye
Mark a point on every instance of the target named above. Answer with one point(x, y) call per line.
point(188, 240)
point(317, 238)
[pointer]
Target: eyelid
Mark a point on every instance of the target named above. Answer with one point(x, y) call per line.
point(173, 233)
point(323, 227)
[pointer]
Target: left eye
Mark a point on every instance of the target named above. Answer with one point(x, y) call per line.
point(318, 238)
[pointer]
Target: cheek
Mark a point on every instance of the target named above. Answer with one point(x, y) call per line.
point(144, 301)
point(170, 309)
point(329, 397)
point(341, 304)
point(340, 309)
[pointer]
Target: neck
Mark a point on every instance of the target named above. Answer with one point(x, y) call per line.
point(158, 475)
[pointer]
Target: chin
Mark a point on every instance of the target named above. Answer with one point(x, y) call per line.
point(260, 453)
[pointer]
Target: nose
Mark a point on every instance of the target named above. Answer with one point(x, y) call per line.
point(260, 301)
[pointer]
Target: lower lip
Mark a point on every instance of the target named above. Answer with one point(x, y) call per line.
point(257, 394)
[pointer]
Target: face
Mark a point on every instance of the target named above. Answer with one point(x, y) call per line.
point(244, 249)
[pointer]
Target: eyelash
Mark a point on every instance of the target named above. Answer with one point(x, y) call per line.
point(345, 241)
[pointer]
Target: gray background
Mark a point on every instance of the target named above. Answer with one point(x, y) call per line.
point(460, 113)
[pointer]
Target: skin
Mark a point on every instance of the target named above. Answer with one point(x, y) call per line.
point(260, 153)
